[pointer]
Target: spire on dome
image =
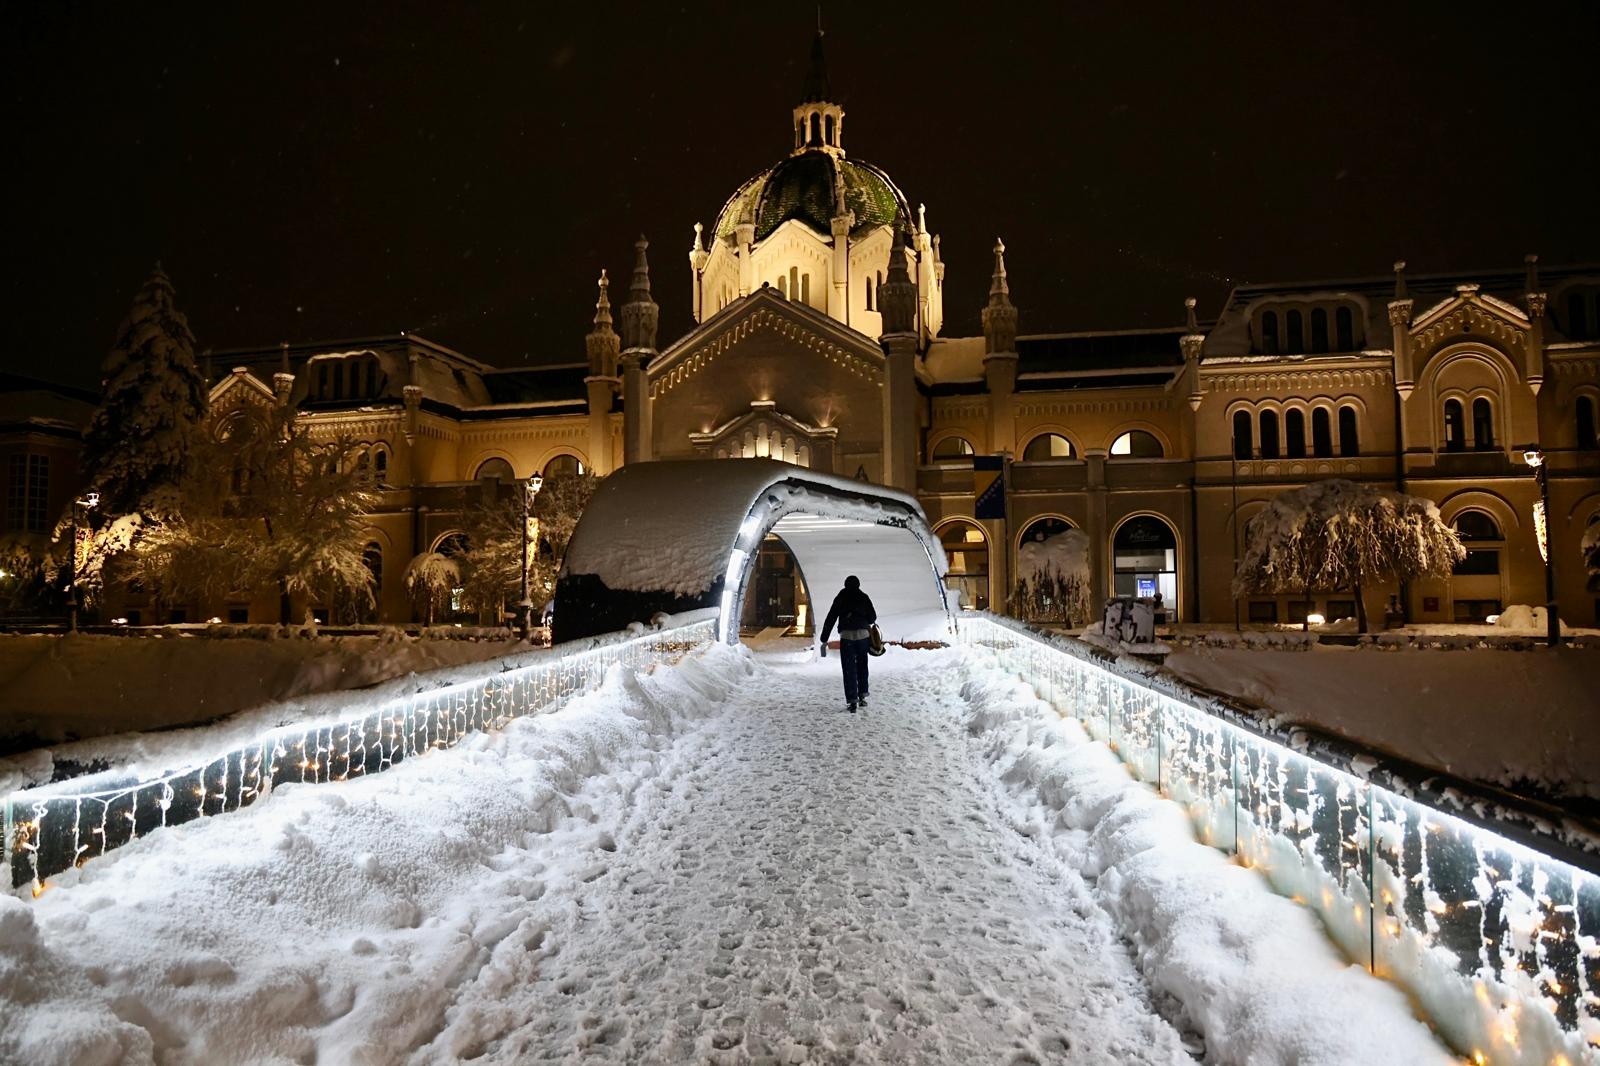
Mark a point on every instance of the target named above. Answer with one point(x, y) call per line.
point(1000, 316)
point(640, 313)
point(814, 90)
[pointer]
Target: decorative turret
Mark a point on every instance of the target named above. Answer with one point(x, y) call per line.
point(1400, 322)
point(1537, 300)
point(897, 298)
point(641, 313)
point(1000, 316)
point(1192, 342)
point(602, 342)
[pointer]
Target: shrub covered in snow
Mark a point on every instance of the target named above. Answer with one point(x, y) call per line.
point(1053, 579)
point(1336, 534)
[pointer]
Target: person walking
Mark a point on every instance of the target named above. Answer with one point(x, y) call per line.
point(853, 611)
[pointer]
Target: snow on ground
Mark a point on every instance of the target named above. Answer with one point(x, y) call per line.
point(63, 688)
point(706, 863)
point(1501, 716)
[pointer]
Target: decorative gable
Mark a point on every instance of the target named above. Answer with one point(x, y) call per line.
point(1470, 313)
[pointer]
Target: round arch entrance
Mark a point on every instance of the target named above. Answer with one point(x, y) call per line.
point(685, 535)
point(966, 550)
point(1144, 559)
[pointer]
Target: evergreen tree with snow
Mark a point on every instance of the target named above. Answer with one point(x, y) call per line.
point(431, 578)
point(138, 444)
point(263, 506)
point(1337, 534)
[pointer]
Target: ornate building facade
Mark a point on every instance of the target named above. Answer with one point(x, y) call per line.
point(818, 298)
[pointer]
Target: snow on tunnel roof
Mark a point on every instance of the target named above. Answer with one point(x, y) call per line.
point(668, 525)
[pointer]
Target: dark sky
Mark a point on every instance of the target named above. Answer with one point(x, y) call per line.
point(335, 170)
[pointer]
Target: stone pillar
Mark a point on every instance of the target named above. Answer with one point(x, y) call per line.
point(897, 300)
point(1100, 555)
point(839, 296)
point(635, 408)
point(744, 237)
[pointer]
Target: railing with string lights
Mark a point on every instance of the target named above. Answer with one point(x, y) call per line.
point(55, 827)
point(1486, 911)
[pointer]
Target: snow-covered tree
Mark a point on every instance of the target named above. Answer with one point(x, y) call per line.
point(1337, 534)
point(1591, 555)
point(558, 506)
point(264, 505)
point(1053, 579)
point(138, 444)
point(493, 561)
point(430, 579)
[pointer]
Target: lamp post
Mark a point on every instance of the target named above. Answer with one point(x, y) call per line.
point(1533, 455)
point(525, 606)
point(88, 502)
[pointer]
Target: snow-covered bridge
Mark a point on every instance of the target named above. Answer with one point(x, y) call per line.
point(680, 536)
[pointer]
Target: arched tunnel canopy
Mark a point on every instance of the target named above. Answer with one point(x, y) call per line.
point(681, 535)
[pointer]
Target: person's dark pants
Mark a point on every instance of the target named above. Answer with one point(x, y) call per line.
point(853, 658)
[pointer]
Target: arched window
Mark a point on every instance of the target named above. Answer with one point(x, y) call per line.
point(1587, 436)
point(951, 449)
point(794, 283)
point(1455, 427)
point(1241, 434)
point(1269, 333)
point(1319, 329)
point(1577, 317)
point(1344, 329)
point(1480, 534)
point(805, 289)
point(869, 293)
point(783, 286)
point(1269, 434)
point(1136, 444)
point(1145, 560)
point(816, 128)
point(827, 126)
point(1294, 432)
point(1321, 433)
point(967, 550)
point(1297, 334)
point(564, 465)
point(496, 469)
point(1482, 425)
point(1349, 432)
point(1047, 446)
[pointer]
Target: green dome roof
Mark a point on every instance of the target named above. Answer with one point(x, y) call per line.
point(801, 187)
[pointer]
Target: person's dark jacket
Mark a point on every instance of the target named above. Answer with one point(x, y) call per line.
point(852, 609)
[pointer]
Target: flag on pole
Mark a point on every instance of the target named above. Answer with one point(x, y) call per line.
point(989, 486)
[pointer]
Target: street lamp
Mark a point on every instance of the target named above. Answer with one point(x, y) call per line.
point(525, 606)
point(1533, 455)
point(88, 502)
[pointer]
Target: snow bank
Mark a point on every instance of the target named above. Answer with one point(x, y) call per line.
point(1447, 709)
point(56, 689)
point(333, 924)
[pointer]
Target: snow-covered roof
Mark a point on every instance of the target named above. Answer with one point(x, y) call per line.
point(679, 535)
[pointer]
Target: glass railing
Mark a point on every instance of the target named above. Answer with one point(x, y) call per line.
point(1487, 914)
point(54, 827)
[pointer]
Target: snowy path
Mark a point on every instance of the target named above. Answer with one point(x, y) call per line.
point(812, 886)
point(709, 863)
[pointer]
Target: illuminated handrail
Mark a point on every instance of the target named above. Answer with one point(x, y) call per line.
point(1480, 916)
point(54, 827)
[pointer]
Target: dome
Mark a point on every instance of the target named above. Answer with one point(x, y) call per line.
point(801, 187)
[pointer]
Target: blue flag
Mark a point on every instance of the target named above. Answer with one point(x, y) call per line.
point(989, 486)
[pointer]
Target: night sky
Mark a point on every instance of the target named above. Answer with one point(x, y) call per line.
point(328, 171)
